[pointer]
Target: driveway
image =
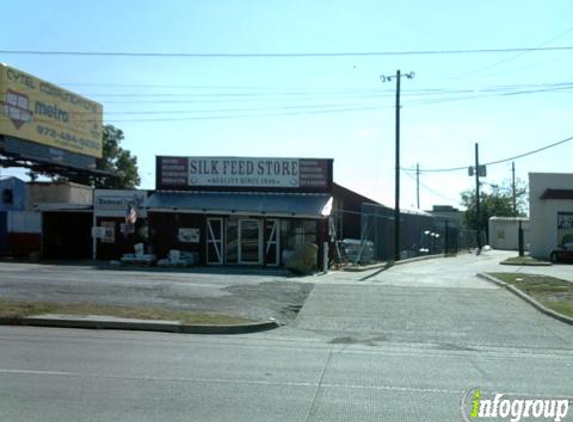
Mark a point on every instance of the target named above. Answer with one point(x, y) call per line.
point(438, 302)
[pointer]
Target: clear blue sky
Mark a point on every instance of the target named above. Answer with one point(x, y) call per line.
point(317, 107)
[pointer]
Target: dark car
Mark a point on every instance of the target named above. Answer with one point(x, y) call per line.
point(562, 252)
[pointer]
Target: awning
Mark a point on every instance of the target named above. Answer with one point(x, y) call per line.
point(557, 194)
point(268, 204)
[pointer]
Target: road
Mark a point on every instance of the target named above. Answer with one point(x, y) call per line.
point(402, 345)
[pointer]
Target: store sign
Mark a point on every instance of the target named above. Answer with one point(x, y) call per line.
point(243, 172)
point(37, 111)
point(117, 202)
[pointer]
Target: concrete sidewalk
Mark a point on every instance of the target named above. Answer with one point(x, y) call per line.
point(438, 302)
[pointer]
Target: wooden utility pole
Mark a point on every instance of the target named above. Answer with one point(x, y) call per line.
point(477, 171)
point(513, 188)
point(418, 185)
point(397, 166)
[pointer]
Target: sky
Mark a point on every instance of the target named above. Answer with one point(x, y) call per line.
point(318, 106)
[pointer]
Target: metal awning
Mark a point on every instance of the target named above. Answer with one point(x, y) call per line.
point(261, 204)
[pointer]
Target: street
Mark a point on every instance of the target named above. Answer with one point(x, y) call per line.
point(401, 345)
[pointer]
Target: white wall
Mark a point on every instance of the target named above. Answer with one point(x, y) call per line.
point(504, 232)
point(543, 212)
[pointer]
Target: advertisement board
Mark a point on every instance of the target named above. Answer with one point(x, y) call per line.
point(34, 110)
point(243, 172)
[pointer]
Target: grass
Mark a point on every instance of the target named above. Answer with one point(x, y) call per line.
point(524, 261)
point(554, 293)
point(17, 309)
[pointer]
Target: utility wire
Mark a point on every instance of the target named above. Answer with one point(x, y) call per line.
point(432, 191)
point(284, 55)
point(491, 163)
point(523, 53)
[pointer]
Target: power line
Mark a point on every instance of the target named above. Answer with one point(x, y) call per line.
point(283, 55)
point(523, 53)
point(432, 191)
point(491, 163)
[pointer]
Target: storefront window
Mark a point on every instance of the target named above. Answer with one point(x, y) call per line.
point(298, 232)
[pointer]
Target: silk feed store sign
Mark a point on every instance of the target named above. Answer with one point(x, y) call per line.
point(283, 173)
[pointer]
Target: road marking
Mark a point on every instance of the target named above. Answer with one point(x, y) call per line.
point(313, 385)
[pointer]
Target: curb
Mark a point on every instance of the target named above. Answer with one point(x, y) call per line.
point(140, 325)
point(389, 264)
point(530, 264)
point(540, 307)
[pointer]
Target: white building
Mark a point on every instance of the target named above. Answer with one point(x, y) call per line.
point(551, 211)
point(504, 232)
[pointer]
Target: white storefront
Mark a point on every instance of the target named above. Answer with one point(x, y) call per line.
point(551, 211)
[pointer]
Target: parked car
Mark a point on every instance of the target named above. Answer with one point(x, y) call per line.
point(562, 252)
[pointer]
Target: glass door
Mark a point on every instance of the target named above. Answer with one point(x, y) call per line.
point(214, 241)
point(272, 236)
point(249, 241)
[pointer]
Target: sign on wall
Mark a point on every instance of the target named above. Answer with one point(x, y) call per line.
point(248, 172)
point(189, 235)
point(564, 228)
point(117, 202)
point(35, 110)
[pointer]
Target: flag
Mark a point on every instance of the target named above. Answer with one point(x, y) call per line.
point(131, 216)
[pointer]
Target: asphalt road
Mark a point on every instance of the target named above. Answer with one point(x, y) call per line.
point(402, 345)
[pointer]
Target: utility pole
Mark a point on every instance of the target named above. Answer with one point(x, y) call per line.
point(513, 188)
point(418, 185)
point(477, 171)
point(397, 170)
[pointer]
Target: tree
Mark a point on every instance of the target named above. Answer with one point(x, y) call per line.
point(496, 202)
point(117, 160)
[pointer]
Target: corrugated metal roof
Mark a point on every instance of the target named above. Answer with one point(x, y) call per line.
point(311, 206)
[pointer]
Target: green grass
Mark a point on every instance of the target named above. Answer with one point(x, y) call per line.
point(16, 309)
point(524, 261)
point(554, 293)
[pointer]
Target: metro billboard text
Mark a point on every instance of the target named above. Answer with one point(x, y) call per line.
point(35, 110)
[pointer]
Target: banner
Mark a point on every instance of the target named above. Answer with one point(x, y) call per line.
point(38, 111)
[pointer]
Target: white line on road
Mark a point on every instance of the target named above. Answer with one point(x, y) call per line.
point(263, 382)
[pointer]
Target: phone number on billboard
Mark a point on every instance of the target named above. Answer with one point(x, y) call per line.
point(67, 137)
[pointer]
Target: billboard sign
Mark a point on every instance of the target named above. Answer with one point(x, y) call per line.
point(38, 111)
point(243, 172)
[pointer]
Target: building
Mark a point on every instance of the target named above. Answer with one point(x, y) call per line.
point(122, 218)
point(20, 229)
point(448, 213)
point(239, 210)
point(504, 232)
point(551, 212)
point(51, 219)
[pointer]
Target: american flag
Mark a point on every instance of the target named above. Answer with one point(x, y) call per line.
point(131, 216)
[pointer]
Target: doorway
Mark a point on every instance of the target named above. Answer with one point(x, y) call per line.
point(250, 241)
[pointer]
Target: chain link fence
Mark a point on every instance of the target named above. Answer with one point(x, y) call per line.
point(420, 234)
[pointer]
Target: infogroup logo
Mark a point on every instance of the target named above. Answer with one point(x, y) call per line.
point(475, 407)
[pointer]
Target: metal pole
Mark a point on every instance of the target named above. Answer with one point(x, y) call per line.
point(513, 188)
point(478, 201)
point(397, 174)
point(418, 185)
